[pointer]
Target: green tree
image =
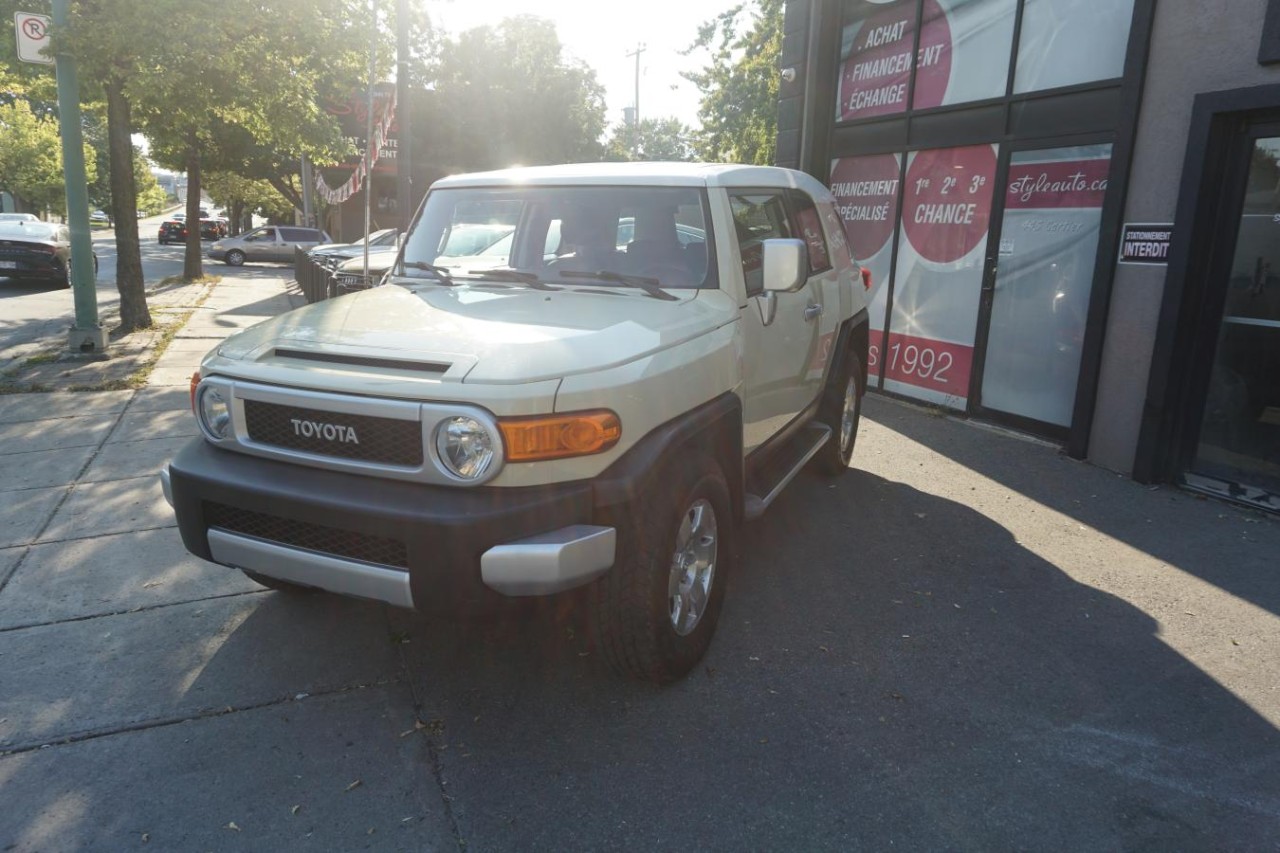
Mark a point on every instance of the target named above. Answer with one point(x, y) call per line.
point(653, 139)
point(238, 195)
point(507, 95)
point(739, 108)
point(185, 72)
point(31, 157)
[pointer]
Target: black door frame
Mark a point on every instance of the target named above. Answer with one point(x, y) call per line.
point(1205, 226)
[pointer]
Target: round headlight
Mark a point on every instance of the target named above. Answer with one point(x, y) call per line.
point(465, 447)
point(215, 416)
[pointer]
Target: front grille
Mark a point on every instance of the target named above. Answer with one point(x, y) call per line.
point(347, 282)
point(382, 440)
point(312, 537)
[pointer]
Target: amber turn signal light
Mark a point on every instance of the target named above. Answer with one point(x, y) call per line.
point(195, 380)
point(559, 436)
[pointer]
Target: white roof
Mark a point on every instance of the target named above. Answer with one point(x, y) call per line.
point(642, 174)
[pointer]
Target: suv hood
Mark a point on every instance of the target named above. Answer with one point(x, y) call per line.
point(490, 333)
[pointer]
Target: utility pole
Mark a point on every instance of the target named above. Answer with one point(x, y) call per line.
point(635, 137)
point(368, 139)
point(87, 335)
point(404, 131)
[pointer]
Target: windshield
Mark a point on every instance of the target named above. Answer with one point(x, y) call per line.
point(593, 235)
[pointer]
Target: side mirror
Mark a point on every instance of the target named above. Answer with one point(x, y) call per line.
point(784, 264)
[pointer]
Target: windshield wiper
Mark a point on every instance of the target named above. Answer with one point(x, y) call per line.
point(531, 279)
point(440, 272)
point(648, 285)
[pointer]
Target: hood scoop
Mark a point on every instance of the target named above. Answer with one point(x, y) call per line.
point(431, 367)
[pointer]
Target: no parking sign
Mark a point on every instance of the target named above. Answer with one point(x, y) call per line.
point(33, 37)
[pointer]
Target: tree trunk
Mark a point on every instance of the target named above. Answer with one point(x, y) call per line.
point(191, 263)
point(237, 213)
point(134, 313)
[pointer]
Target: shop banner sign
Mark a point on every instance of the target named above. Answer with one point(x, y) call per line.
point(1142, 243)
point(867, 192)
point(946, 213)
point(962, 55)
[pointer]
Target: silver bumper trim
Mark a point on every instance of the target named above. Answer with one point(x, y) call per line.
point(166, 484)
point(308, 568)
point(549, 562)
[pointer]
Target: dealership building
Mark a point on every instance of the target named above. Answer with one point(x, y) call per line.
point(1071, 214)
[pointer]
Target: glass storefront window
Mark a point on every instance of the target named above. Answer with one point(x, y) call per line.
point(1240, 431)
point(867, 196)
point(963, 55)
point(875, 58)
point(976, 36)
point(946, 210)
point(1048, 246)
point(1066, 42)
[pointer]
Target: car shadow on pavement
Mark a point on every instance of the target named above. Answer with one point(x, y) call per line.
point(11, 288)
point(1232, 547)
point(892, 668)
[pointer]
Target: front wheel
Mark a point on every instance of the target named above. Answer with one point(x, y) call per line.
point(656, 610)
point(235, 258)
point(841, 410)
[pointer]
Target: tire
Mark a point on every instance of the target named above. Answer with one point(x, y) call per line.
point(235, 258)
point(681, 541)
point(279, 585)
point(841, 409)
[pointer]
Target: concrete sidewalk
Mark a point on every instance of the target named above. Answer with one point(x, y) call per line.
point(969, 642)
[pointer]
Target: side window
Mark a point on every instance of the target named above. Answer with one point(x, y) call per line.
point(758, 215)
point(809, 229)
point(298, 235)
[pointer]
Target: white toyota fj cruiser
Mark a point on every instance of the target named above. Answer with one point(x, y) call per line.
point(584, 376)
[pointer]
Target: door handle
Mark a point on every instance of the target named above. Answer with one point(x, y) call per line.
point(812, 312)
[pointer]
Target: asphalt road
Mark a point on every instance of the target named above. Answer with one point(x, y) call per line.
point(33, 311)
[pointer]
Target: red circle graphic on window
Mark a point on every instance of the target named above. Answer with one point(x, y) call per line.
point(947, 201)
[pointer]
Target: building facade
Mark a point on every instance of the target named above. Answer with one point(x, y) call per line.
point(1071, 214)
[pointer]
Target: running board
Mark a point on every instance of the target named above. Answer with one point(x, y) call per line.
point(792, 459)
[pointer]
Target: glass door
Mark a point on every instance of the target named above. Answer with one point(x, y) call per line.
point(1037, 297)
point(1238, 452)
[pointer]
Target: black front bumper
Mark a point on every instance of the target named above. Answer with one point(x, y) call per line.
point(437, 534)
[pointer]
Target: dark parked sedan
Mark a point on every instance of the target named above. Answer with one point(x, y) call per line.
point(37, 250)
point(172, 231)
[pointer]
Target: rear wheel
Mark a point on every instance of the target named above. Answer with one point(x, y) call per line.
point(656, 610)
point(235, 258)
point(842, 411)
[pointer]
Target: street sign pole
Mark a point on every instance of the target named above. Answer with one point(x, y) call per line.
point(87, 335)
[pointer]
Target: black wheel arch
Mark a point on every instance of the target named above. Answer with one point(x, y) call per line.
point(856, 333)
point(714, 428)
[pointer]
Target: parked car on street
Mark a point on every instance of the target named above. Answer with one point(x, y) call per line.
point(213, 228)
point(576, 419)
point(99, 219)
point(19, 217)
point(349, 275)
point(332, 254)
point(37, 250)
point(172, 231)
point(268, 243)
